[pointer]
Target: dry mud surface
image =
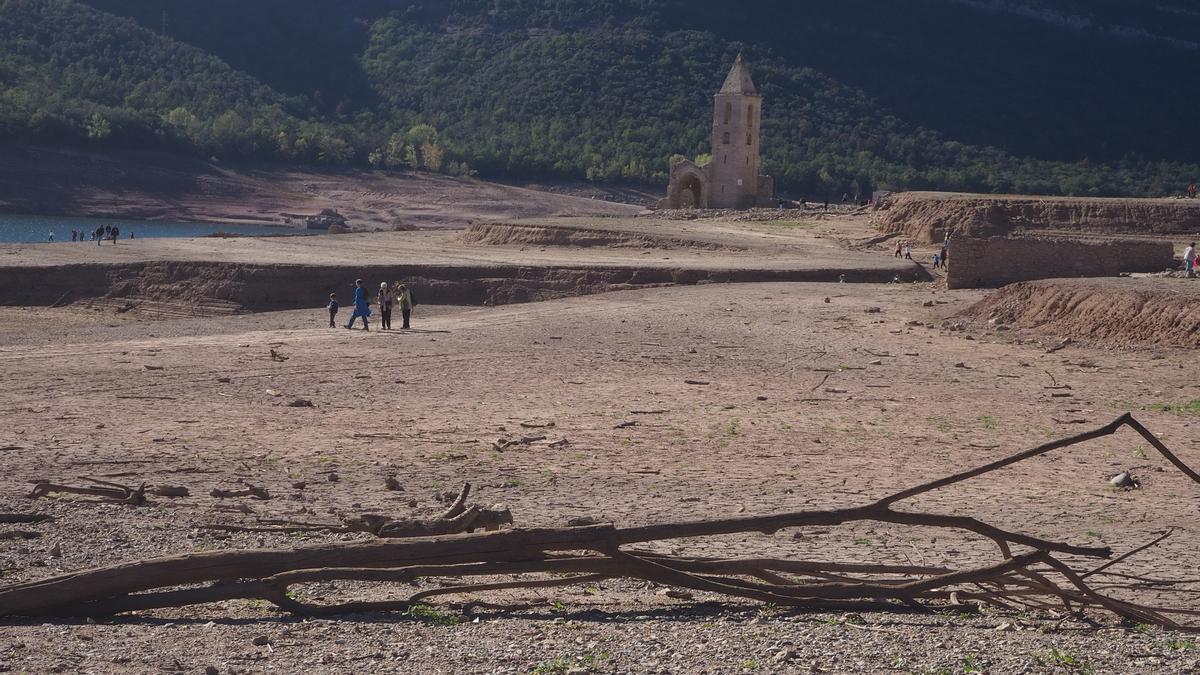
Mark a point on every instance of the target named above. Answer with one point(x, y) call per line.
point(160, 186)
point(487, 264)
point(927, 216)
point(809, 404)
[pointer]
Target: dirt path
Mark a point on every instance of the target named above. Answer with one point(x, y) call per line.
point(809, 403)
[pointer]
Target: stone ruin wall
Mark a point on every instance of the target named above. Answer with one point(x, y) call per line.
point(996, 261)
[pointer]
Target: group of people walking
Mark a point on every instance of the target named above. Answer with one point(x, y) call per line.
point(904, 250)
point(396, 296)
point(98, 235)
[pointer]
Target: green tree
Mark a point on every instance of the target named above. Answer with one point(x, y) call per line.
point(98, 127)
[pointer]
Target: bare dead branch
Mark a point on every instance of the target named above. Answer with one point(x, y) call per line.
point(443, 548)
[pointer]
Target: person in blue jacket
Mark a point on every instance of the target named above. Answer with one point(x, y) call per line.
point(362, 305)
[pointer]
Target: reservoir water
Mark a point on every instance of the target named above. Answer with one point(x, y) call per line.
point(16, 228)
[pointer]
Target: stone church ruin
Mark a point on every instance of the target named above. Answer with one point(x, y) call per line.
point(730, 180)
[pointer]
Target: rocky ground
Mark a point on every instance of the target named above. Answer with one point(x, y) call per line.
point(815, 395)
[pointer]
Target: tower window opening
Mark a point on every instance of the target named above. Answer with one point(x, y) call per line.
point(728, 112)
point(750, 116)
point(749, 139)
point(725, 138)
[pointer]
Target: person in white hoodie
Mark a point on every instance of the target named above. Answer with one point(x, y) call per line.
point(1189, 259)
point(385, 305)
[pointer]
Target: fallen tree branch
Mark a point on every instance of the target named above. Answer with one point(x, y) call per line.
point(24, 518)
point(442, 547)
point(108, 492)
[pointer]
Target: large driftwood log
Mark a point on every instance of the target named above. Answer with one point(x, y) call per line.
point(578, 555)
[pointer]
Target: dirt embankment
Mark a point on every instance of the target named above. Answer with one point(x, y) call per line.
point(505, 234)
point(928, 216)
point(1116, 312)
point(160, 186)
point(200, 287)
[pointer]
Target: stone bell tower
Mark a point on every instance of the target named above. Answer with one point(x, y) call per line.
point(730, 179)
point(737, 113)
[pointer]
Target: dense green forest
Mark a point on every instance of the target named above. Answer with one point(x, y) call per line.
point(1040, 96)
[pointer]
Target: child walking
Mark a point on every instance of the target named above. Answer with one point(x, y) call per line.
point(362, 305)
point(333, 310)
point(404, 298)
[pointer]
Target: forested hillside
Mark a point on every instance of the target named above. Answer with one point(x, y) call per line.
point(1052, 96)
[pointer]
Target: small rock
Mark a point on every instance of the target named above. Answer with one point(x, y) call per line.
point(1005, 627)
point(392, 484)
point(960, 364)
point(874, 310)
point(212, 670)
point(333, 477)
point(300, 403)
point(56, 551)
point(784, 655)
point(928, 303)
point(261, 641)
point(675, 594)
point(223, 380)
point(827, 301)
point(761, 398)
point(876, 362)
point(300, 485)
point(173, 491)
point(1124, 480)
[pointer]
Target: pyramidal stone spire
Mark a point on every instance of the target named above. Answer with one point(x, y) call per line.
point(738, 81)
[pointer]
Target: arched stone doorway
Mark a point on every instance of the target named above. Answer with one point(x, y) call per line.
point(689, 187)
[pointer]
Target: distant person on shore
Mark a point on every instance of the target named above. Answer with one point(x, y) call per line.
point(1192, 190)
point(115, 233)
point(362, 305)
point(51, 235)
point(404, 298)
point(1189, 259)
point(74, 234)
point(333, 310)
point(385, 306)
point(908, 250)
point(99, 234)
point(899, 248)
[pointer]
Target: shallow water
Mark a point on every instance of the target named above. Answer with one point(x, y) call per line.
point(18, 228)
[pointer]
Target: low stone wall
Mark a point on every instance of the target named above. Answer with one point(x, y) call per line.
point(996, 261)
